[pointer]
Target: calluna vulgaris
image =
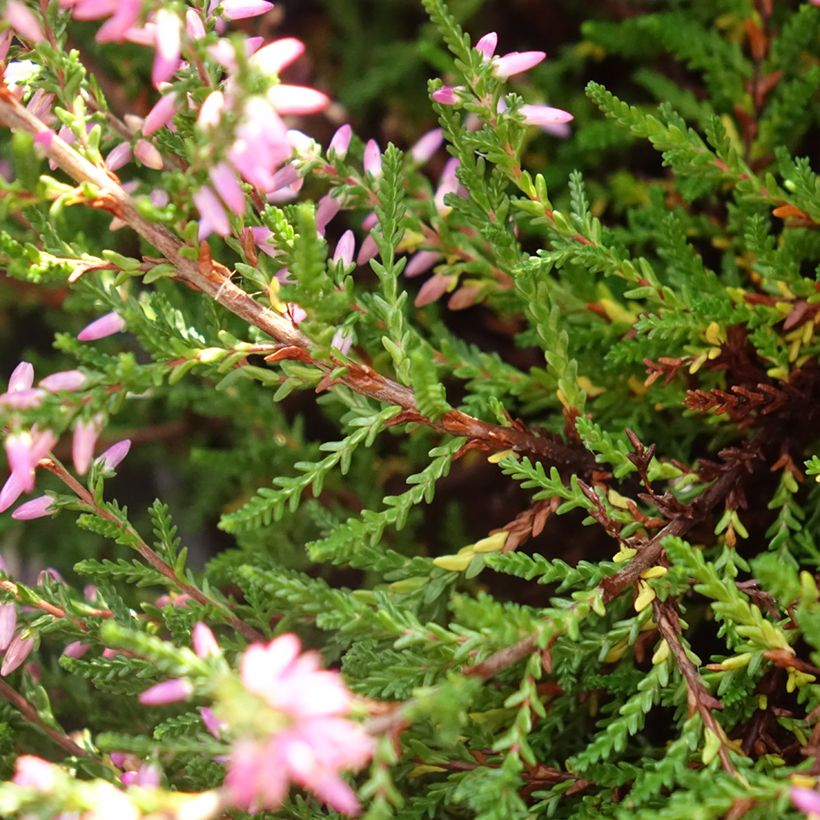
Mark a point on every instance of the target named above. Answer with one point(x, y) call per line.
point(525, 460)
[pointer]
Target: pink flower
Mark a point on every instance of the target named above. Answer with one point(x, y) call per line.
point(341, 341)
point(18, 650)
point(169, 691)
point(75, 649)
point(545, 115)
point(8, 623)
point(20, 394)
point(168, 44)
point(224, 180)
point(295, 313)
point(106, 325)
point(35, 773)
point(516, 62)
point(448, 183)
point(446, 95)
point(204, 641)
point(367, 251)
point(64, 380)
point(36, 508)
point(372, 158)
point(23, 21)
point(278, 55)
point(22, 377)
point(211, 722)
point(24, 450)
point(807, 800)
point(297, 99)
point(433, 289)
point(327, 208)
point(426, 146)
point(111, 458)
point(211, 110)
point(161, 114)
point(118, 156)
point(11, 491)
point(213, 218)
point(345, 248)
point(148, 155)
point(194, 26)
point(82, 446)
point(261, 236)
point(421, 262)
point(242, 9)
point(487, 44)
point(340, 142)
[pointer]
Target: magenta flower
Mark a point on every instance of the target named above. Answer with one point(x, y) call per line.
point(169, 691)
point(110, 459)
point(544, 115)
point(106, 325)
point(420, 263)
point(36, 508)
point(345, 248)
point(82, 445)
point(516, 62)
point(372, 158)
point(807, 800)
point(8, 623)
point(340, 142)
point(243, 9)
point(213, 218)
point(487, 44)
point(426, 146)
point(35, 773)
point(23, 21)
point(64, 380)
point(161, 114)
point(18, 650)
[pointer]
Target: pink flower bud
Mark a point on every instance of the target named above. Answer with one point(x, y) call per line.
point(212, 723)
point(148, 155)
point(110, 459)
point(345, 248)
point(421, 262)
point(18, 650)
point(242, 9)
point(516, 62)
point(22, 399)
point(297, 99)
point(23, 21)
point(194, 27)
point(327, 208)
point(12, 490)
point(75, 649)
point(169, 691)
point(372, 158)
point(278, 55)
point(5, 43)
point(210, 112)
point(205, 643)
point(118, 156)
point(168, 41)
point(295, 313)
point(213, 218)
point(544, 115)
point(426, 146)
point(370, 221)
point(35, 773)
point(36, 508)
point(807, 800)
point(367, 251)
point(433, 289)
point(44, 138)
point(8, 623)
point(446, 95)
point(341, 341)
point(486, 45)
point(22, 377)
point(340, 142)
point(448, 183)
point(106, 325)
point(64, 380)
point(161, 114)
point(224, 180)
point(286, 175)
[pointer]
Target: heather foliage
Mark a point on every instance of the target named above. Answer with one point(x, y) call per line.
point(486, 454)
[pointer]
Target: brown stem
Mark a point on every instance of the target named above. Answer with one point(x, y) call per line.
point(666, 617)
point(214, 279)
point(148, 554)
point(28, 711)
point(52, 609)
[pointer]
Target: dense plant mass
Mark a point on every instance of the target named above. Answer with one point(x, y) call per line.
point(486, 465)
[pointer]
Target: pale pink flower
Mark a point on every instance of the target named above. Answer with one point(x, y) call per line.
point(83, 441)
point(420, 263)
point(22, 377)
point(295, 313)
point(211, 722)
point(230, 191)
point(242, 9)
point(36, 508)
point(23, 21)
point(5, 43)
point(367, 251)
point(487, 44)
point(433, 289)
point(18, 650)
point(35, 773)
point(370, 221)
point(261, 236)
point(20, 394)
point(341, 341)
point(516, 62)
point(345, 248)
point(75, 649)
point(148, 155)
point(24, 450)
point(11, 491)
point(118, 156)
point(297, 99)
point(326, 209)
point(372, 158)
point(446, 95)
point(340, 142)
point(161, 114)
point(213, 218)
point(807, 800)
point(211, 110)
point(110, 459)
point(544, 115)
point(8, 623)
point(64, 380)
point(106, 325)
point(426, 146)
point(278, 55)
point(168, 44)
point(194, 27)
point(204, 641)
point(169, 691)
point(448, 183)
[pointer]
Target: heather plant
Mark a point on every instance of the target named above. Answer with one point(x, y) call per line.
point(487, 460)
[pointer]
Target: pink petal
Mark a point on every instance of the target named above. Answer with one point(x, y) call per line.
point(421, 262)
point(213, 216)
point(35, 773)
point(23, 21)
point(345, 248)
point(327, 208)
point(372, 158)
point(367, 251)
point(82, 447)
point(169, 691)
point(118, 156)
point(161, 114)
point(12, 490)
point(19, 649)
point(8, 623)
point(340, 142)
point(75, 649)
point(278, 55)
point(64, 380)
point(487, 44)
point(516, 62)
point(542, 115)
point(38, 507)
point(204, 641)
point(446, 95)
point(22, 377)
point(106, 325)
point(297, 99)
point(148, 155)
point(243, 9)
point(807, 800)
point(426, 146)
point(224, 180)
point(110, 459)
